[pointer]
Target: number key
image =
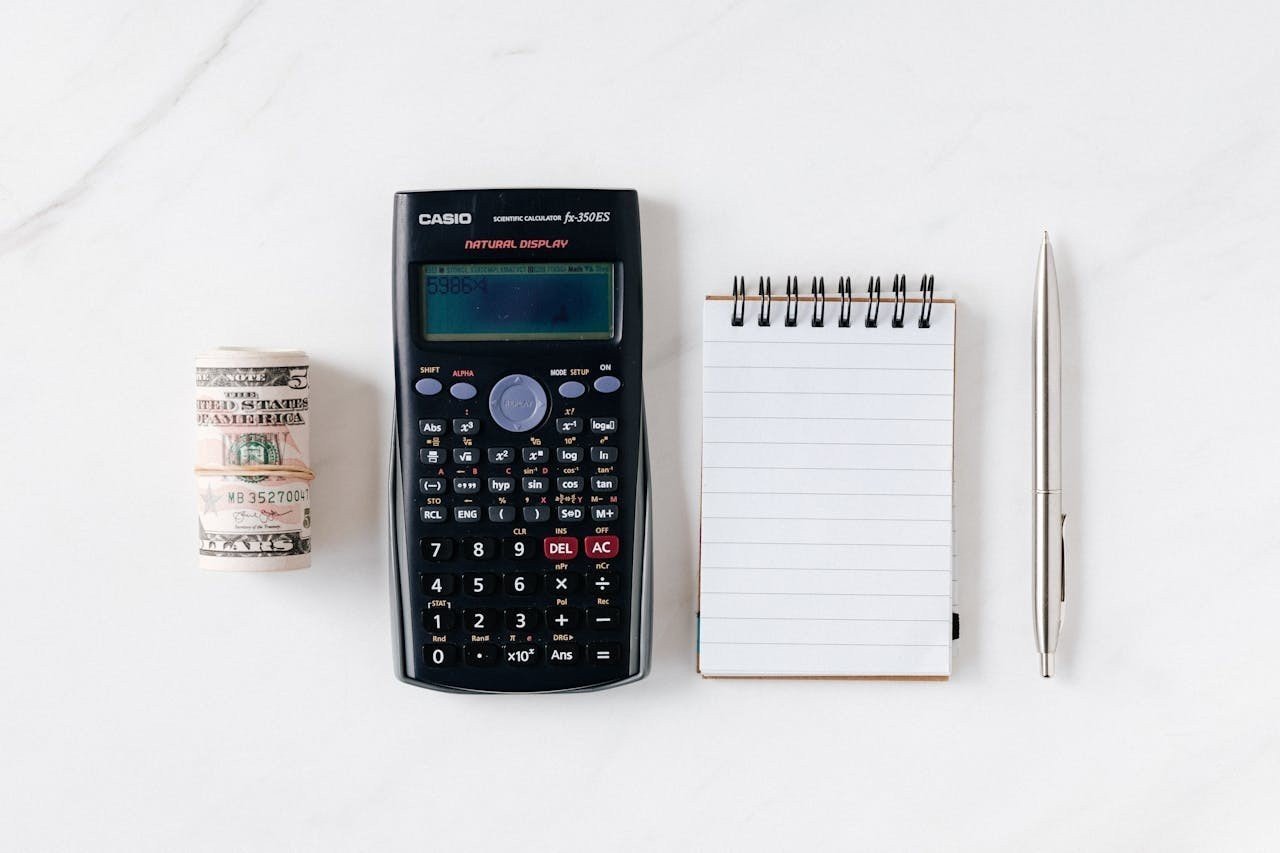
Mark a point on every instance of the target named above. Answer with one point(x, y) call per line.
point(480, 583)
point(440, 655)
point(519, 547)
point(479, 548)
point(522, 619)
point(481, 619)
point(520, 583)
point(437, 549)
point(439, 619)
point(439, 585)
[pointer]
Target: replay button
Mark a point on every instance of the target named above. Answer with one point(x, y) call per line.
point(518, 403)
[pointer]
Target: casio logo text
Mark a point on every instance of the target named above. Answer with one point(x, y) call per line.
point(444, 218)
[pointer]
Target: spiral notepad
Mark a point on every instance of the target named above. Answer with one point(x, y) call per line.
point(827, 483)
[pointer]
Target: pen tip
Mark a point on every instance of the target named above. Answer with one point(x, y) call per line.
point(1046, 235)
point(1046, 664)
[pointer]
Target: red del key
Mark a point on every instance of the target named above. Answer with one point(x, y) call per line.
point(601, 547)
point(560, 547)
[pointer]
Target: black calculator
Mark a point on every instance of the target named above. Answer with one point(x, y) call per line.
point(520, 557)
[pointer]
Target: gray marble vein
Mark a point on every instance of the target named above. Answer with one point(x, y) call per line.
point(35, 223)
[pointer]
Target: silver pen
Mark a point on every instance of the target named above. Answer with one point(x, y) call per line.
point(1047, 534)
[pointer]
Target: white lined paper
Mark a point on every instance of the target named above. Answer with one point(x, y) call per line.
point(826, 495)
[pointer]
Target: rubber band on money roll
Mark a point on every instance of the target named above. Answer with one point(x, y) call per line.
point(295, 471)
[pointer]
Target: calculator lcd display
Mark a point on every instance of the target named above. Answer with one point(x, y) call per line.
point(517, 301)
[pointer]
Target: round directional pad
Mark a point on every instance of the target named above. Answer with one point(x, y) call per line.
point(518, 403)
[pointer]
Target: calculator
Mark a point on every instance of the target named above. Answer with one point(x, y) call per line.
point(519, 488)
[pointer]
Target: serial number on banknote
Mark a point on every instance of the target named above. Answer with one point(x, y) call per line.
point(267, 497)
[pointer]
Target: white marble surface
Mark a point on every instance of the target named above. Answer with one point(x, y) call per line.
point(174, 176)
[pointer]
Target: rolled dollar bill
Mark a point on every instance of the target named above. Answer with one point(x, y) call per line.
point(253, 459)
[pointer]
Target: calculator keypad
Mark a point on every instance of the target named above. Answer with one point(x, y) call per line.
point(544, 581)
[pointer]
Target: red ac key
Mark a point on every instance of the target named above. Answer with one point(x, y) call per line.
point(560, 547)
point(601, 547)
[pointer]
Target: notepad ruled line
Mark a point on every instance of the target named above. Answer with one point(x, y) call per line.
point(774, 643)
point(794, 568)
point(821, 367)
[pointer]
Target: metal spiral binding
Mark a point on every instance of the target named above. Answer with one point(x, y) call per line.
point(845, 288)
point(899, 300)
point(926, 301)
point(873, 302)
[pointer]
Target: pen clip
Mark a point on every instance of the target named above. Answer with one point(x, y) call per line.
point(1062, 579)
